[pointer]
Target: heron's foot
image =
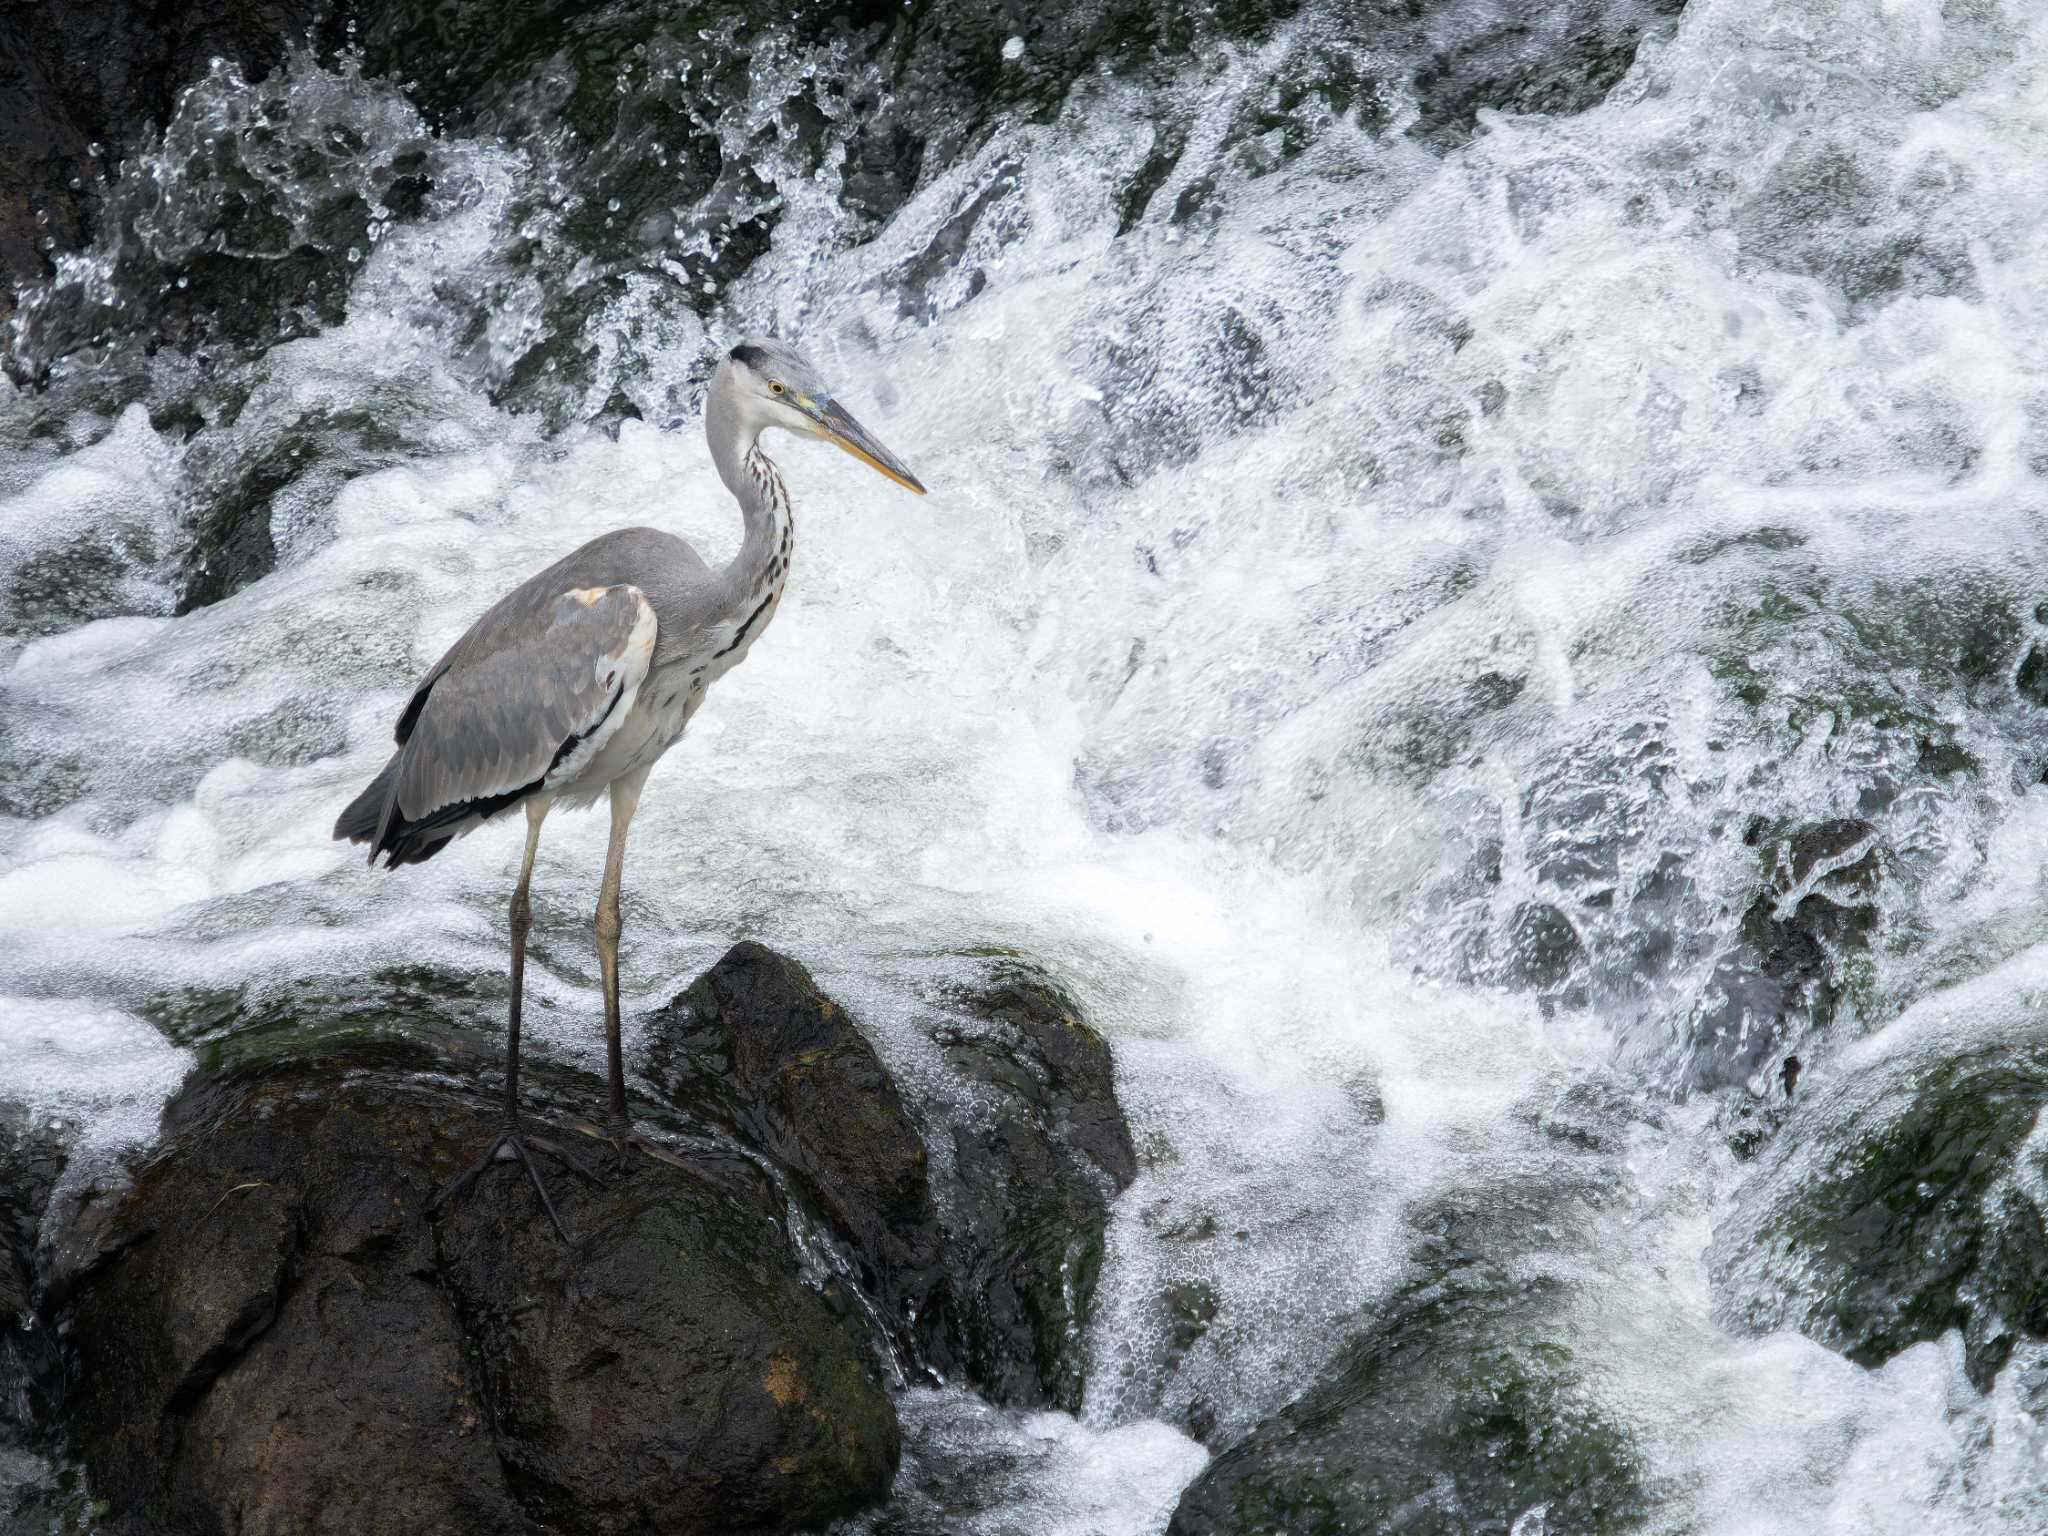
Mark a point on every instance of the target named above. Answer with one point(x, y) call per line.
point(625, 1142)
point(513, 1145)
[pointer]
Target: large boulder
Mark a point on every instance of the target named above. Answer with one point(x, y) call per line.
point(754, 1048)
point(273, 1333)
point(269, 1326)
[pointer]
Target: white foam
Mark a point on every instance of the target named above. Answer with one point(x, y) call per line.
point(1043, 1472)
point(97, 1071)
point(1307, 584)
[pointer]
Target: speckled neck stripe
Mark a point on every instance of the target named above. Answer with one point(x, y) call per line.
point(772, 573)
point(775, 494)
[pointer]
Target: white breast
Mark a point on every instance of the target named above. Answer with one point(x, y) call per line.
point(654, 724)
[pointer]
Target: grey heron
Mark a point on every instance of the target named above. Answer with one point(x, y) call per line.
point(574, 683)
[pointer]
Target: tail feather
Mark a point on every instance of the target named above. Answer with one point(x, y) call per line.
point(373, 817)
point(365, 814)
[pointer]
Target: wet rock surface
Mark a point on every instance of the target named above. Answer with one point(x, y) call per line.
point(32, 1159)
point(653, 119)
point(270, 1327)
point(1033, 1179)
point(1447, 1417)
point(1898, 1204)
point(79, 78)
point(985, 1267)
point(270, 1324)
point(1460, 1403)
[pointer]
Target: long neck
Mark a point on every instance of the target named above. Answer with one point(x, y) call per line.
point(762, 564)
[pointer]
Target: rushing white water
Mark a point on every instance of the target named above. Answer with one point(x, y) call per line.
point(1316, 591)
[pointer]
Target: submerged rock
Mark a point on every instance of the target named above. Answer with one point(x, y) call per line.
point(1899, 1203)
point(1453, 1414)
point(1460, 1405)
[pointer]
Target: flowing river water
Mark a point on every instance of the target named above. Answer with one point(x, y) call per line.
point(1465, 652)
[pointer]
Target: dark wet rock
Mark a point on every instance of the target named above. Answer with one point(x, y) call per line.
point(1454, 1414)
point(2031, 681)
point(268, 1325)
point(633, 110)
point(1459, 1404)
point(636, 108)
point(755, 1048)
point(32, 1157)
point(1902, 1201)
point(270, 1329)
point(234, 484)
point(1798, 943)
point(236, 222)
point(1034, 1175)
point(79, 79)
point(232, 546)
point(1556, 58)
point(1543, 947)
point(985, 1269)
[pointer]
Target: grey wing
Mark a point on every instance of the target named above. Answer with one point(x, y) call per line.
point(520, 704)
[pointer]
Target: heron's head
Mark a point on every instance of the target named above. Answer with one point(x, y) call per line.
point(778, 388)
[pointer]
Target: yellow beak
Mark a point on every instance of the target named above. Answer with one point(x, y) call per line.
point(836, 425)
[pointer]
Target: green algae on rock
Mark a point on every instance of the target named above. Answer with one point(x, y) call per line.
point(1901, 1202)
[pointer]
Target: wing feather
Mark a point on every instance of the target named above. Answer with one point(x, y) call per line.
point(525, 700)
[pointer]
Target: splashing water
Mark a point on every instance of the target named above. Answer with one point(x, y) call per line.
point(1413, 634)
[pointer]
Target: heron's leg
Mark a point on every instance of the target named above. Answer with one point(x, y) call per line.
point(512, 1144)
point(522, 924)
point(625, 800)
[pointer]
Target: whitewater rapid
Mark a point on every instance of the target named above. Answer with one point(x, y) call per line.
point(1313, 586)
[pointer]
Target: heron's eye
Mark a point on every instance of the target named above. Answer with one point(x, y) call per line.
point(777, 388)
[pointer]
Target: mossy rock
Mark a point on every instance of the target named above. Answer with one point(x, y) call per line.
point(1034, 1172)
point(985, 1269)
point(1454, 1413)
point(246, 1026)
point(1460, 1402)
point(756, 1050)
point(1901, 1202)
